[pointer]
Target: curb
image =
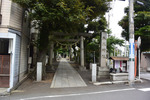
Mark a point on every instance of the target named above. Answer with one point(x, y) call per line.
point(116, 82)
point(4, 93)
point(110, 82)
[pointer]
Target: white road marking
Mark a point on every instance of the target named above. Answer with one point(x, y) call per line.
point(145, 89)
point(69, 95)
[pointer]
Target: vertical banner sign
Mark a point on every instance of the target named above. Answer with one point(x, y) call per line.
point(131, 48)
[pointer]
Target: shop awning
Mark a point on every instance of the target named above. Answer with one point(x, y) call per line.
point(120, 58)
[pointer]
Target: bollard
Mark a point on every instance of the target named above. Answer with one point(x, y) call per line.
point(39, 71)
point(94, 72)
point(91, 66)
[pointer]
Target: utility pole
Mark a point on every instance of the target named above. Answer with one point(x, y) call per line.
point(131, 42)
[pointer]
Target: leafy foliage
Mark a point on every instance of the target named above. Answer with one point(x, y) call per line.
point(96, 26)
point(91, 48)
point(95, 43)
point(142, 23)
point(111, 42)
point(67, 16)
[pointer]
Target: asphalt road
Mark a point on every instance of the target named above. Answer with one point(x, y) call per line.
point(118, 92)
point(123, 94)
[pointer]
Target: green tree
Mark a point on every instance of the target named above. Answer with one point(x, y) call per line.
point(67, 16)
point(142, 23)
point(97, 26)
point(112, 42)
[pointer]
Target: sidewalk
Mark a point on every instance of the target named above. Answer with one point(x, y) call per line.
point(3, 91)
point(66, 76)
point(31, 88)
point(145, 75)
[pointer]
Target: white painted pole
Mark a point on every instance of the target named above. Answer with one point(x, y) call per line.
point(94, 56)
point(94, 73)
point(39, 71)
point(131, 42)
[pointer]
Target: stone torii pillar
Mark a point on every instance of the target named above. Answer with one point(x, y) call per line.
point(103, 71)
point(82, 67)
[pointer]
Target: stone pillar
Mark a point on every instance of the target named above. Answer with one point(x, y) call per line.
point(39, 71)
point(103, 71)
point(51, 54)
point(82, 53)
point(94, 70)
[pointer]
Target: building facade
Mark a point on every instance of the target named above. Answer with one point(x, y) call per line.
point(145, 61)
point(14, 44)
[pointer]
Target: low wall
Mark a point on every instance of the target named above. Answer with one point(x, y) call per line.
point(119, 76)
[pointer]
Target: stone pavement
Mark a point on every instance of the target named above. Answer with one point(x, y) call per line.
point(3, 91)
point(145, 75)
point(66, 76)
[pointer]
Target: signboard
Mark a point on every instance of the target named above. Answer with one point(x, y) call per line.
point(131, 50)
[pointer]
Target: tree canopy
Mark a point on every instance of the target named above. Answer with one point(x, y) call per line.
point(64, 15)
point(142, 23)
point(67, 16)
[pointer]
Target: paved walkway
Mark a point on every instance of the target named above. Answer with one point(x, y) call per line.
point(145, 75)
point(66, 76)
point(3, 91)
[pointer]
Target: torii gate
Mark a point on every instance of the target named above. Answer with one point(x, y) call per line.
point(82, 35)
point(103, 71)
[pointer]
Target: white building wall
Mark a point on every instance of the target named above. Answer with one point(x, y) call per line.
point(23, 57)
point(11, 28)
point(16, 60)
point(24, 50)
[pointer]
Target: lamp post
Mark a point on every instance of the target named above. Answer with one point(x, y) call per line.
point(131, 42)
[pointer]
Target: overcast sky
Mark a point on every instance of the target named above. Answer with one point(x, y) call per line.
point(116, 14)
